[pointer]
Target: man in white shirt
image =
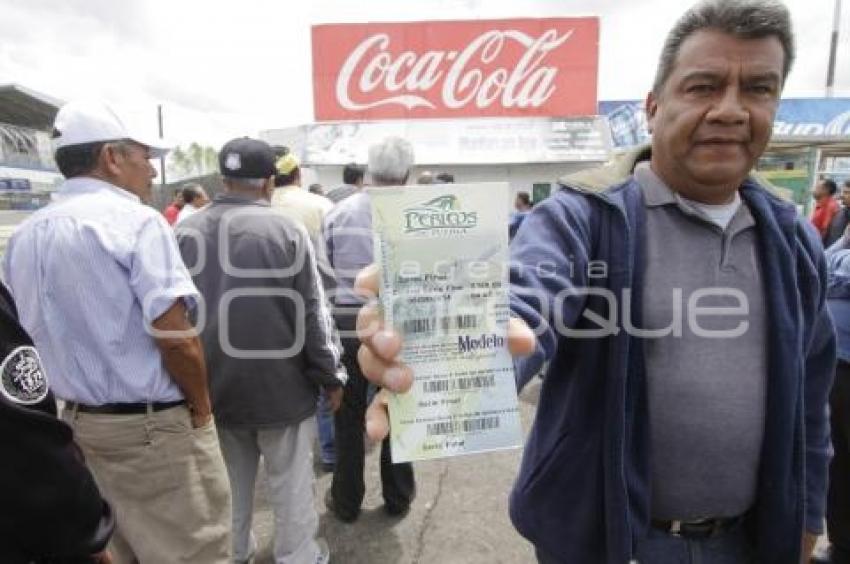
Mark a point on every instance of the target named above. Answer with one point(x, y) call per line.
point(294, 201)
point(194, 198)
point(101, 287)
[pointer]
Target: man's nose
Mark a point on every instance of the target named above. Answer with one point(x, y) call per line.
point(729, 108)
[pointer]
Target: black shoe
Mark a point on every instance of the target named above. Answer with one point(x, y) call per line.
point(397, 509)
point(341, 515)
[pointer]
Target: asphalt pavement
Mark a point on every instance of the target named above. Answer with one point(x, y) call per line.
point(459, 516)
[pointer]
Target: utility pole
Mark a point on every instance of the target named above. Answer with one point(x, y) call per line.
point(830, 72)
point(162, 158)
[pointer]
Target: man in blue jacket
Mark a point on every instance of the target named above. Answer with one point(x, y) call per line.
point(838, 495)
point(683, 415)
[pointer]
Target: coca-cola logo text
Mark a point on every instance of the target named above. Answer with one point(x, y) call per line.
point(528, 84)
point(439, 69)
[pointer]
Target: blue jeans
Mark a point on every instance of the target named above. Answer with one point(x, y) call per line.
point(731, 547)
point(325, 422)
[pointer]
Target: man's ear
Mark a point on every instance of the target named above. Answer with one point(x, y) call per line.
point(107, 160)
point(651, 108)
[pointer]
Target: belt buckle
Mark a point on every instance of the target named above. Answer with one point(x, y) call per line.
point(696, 529)
point(675, 528)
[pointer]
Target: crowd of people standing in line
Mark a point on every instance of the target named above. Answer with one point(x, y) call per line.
point(185, 354)
point(180, 485)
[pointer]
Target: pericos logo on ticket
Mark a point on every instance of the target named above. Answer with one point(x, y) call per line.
point(441, 214)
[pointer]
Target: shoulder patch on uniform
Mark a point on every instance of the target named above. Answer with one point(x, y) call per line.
point(22, 378)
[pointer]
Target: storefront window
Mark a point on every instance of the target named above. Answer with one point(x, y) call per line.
point(792, 171)
point(540, 191)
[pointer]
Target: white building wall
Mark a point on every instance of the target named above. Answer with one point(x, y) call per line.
point(521, 177)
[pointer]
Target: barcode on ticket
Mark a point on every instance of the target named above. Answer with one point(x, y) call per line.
point(465, 426)
point(455, 384)
point(431, 324)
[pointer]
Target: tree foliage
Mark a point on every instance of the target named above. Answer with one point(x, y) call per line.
point(192, 160)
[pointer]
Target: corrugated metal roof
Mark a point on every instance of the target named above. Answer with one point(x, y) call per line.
point(27, 108)
point(828, 144)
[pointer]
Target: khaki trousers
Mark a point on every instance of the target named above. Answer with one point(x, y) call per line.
point(166, 481)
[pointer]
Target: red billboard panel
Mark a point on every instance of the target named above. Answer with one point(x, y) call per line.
point(526, 67)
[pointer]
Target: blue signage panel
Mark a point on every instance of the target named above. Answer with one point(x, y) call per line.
point(20, 184)
point(798, 117)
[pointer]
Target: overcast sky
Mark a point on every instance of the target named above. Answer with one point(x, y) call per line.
point(226, 68)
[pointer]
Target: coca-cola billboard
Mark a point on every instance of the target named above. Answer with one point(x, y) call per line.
point(525, 67)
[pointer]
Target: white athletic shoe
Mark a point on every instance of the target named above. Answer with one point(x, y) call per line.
point(324, 556)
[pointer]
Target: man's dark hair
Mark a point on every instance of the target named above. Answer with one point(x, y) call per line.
point(445, 178)
point(78, 160)
point(190, 192)
point(847, 183)
point(830, 185)
point(746, 19)
point(353, 173)
point(525, 198)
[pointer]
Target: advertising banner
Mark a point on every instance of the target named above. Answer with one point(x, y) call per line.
point(451, 69)
point(468, 141)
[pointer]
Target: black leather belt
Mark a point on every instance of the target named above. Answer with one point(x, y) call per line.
point(122, 408)
point(699, 528)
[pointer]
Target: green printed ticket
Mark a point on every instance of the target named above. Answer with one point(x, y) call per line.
point(443, 253)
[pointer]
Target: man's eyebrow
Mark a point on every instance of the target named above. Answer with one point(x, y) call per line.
point(763, 76)
point(757, 76)
point(702, 74)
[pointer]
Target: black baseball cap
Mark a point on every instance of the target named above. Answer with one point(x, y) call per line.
point(246, 158)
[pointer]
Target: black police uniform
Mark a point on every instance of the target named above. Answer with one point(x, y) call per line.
point(51, 510)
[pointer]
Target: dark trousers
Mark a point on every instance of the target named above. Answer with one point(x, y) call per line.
point(397, 483)
point(838, 495)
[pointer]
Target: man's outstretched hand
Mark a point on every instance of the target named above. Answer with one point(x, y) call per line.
point(378, 354)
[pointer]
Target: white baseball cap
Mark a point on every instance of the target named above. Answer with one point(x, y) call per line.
point(91, 121)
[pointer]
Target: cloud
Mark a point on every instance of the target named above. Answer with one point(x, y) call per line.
point(245, 66)
point(68, 18)
point(191, 94)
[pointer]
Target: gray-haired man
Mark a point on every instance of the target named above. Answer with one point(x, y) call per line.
point(348, 233)
point(693, 428)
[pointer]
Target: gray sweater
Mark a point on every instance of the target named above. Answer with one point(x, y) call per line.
point(707, 376)
point(268, 336)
